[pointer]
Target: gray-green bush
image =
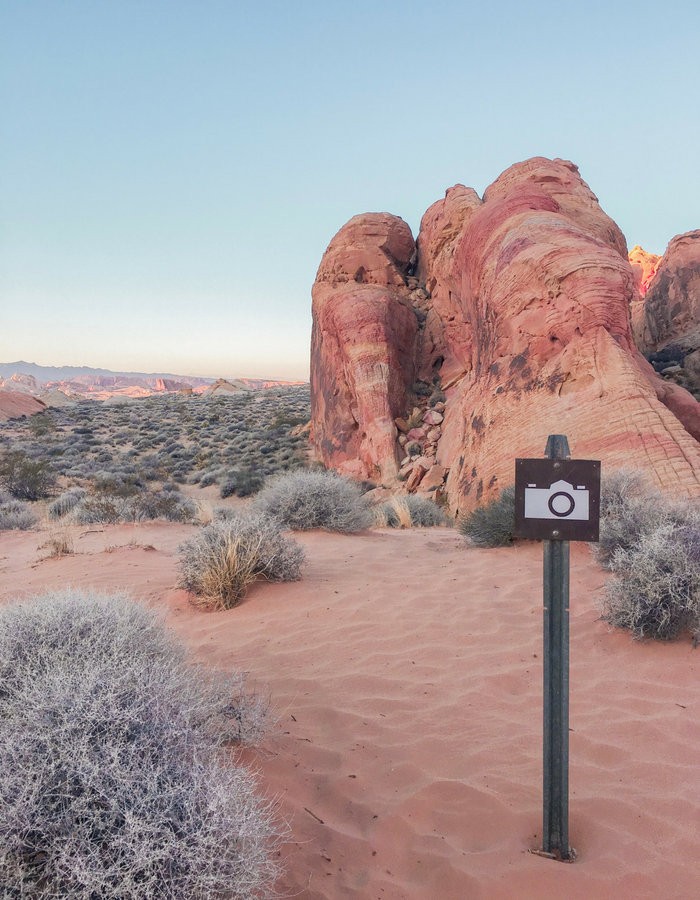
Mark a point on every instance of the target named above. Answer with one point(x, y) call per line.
point(116, 781)
point(492, 525)
point(655, 588)
point(304, 500)
point(16, 515)
point(631, 508)
point(68, 500)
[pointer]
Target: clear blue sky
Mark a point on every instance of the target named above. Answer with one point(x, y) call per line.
point(171, 172)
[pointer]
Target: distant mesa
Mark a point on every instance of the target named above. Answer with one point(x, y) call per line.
point(507, 320)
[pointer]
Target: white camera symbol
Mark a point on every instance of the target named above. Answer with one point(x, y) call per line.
point(559, 501)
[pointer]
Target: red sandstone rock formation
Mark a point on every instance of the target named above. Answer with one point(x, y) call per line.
point(14, 404)
point(522, 308)
point(169, 385)
point(672, 301)
point(644, 266)
point(362, 346)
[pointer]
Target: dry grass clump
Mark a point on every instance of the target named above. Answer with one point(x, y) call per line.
point(492, 525)
point(59, 543)
point(115, 778)
point(303, 500)
point(409, 512)
point(224, 558)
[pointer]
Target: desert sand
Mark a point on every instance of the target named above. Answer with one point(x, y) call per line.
point(406, 671)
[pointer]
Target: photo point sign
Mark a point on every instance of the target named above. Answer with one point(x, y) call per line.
point(557, 500)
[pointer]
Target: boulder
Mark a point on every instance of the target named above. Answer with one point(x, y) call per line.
point(433, 417)
point(433, 479)
point(415, 478)
point(362, 346)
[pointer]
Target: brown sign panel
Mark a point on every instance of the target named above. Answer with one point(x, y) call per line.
point(557, 499)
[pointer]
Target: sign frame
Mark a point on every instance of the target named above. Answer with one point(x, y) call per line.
point(543, 475)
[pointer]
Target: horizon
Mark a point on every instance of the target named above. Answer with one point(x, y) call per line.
point(173, 173)
point(134, 374)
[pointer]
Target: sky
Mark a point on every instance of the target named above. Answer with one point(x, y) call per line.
point(171, 171)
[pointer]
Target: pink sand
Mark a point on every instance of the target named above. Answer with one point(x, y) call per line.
point(406, 671)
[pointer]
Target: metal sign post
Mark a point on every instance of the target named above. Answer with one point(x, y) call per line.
point(557, 499)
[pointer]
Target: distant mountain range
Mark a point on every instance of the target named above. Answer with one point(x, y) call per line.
point(68, 373)
point(100, 384)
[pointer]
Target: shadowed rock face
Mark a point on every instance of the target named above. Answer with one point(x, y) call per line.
point(672, 301)
point(525, 317)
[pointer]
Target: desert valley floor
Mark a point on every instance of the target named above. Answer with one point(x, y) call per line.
point(406, 673)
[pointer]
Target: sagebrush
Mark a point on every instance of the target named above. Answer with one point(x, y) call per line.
point(304, 500)
point(492, 525)
point(655, 588)
point(631, 508)
point(115, 778)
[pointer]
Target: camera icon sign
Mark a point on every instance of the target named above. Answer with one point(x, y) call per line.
point(561, 500)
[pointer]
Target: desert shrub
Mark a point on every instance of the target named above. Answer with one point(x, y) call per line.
point(115, 779)
point(242, 484)
point(169, 505)
point(630, 509)
point(116, 484)
point(655, 588)
point(99, 509)
point(14, 514)
point(224, 558)
point(492, 525)
point(303, 500)
point(68, 500)
point(410, 511)
point(26, 478)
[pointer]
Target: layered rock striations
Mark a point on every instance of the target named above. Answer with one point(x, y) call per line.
point(521, 310)
point(362, 346)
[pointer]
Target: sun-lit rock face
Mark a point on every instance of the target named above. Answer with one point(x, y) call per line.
point(644, 266)
point(362, 346)
point(14, 404)
point(672, 301)
point(522, 309)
